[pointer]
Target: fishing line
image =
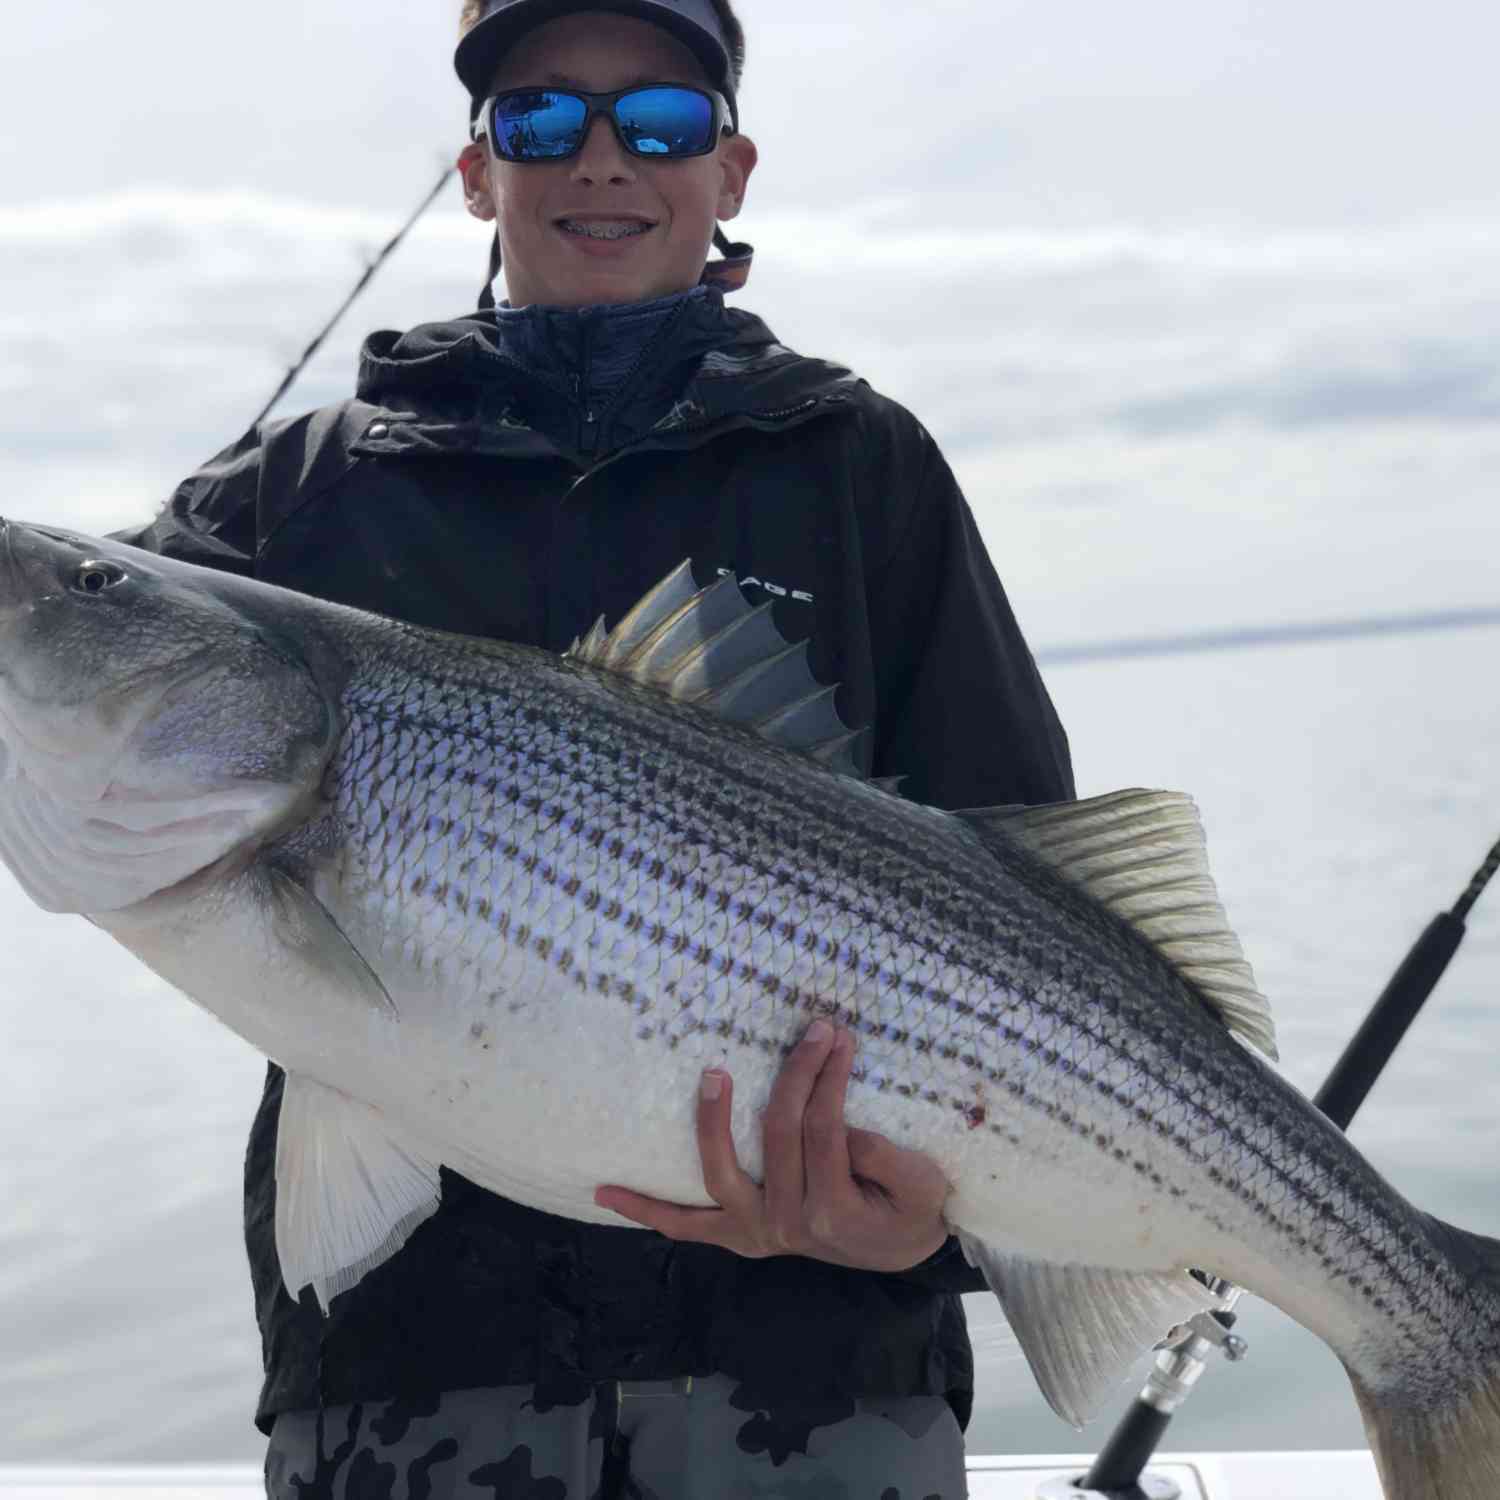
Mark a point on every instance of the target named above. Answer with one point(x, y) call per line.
point(1482, 877)
point(365, 279)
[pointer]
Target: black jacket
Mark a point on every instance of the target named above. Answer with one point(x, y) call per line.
point(434, 496)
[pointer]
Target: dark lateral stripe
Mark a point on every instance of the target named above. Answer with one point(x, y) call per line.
point(637, 923)
point(801, 797)
point(804, 820)
point(713, 835)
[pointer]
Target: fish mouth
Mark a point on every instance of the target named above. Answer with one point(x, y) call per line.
point(27, 574)
point(12, 569)
point(12, 572)
point(7, 554)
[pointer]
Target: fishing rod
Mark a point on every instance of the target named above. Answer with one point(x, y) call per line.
point(365, 279)
point(1116, 1473)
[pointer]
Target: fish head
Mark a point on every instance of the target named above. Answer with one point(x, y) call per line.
point(156, 718)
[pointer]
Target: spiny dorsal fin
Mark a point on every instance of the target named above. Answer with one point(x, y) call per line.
point(710, 647)
point(1142, 854)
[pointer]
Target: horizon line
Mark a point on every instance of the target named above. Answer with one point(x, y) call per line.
point(1249, 636)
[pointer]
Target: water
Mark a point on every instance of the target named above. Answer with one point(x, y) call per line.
point(1349, 789)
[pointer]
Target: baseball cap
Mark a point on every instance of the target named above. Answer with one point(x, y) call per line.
point(694, 22)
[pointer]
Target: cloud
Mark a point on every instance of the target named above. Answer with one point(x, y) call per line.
point(989, 113)
point(1158, 431)
point(1447, 383)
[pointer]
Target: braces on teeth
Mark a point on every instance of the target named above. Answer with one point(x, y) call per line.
point(617, 231)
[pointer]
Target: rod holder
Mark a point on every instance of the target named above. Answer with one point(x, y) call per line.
point(1148, 1487)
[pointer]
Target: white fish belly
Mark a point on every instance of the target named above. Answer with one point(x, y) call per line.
point(541, 1080)
point(550, 1047)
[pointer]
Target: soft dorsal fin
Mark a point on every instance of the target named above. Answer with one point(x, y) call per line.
point(1142, 854)
point(710, 647)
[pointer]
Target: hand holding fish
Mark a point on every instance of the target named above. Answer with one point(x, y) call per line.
point(831, 1193)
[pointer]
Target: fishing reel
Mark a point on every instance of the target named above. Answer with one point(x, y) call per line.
point(1185, 1352)
point(1182, 1356)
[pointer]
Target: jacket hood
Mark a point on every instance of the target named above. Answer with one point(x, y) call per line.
point(719, 364)
point(470, 351)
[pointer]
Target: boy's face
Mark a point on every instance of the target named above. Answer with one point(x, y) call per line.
point(534, 203)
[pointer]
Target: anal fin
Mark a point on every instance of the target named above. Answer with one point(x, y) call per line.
point(349, 1191)
point(1082, 1327)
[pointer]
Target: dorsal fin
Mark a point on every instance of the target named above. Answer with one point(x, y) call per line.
point(710, 647)
point(1142, 854)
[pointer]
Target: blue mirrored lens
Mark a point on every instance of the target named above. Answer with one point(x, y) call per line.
point(537, 124)
point(666, 121)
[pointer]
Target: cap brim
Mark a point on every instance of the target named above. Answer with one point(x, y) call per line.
point(482, 46)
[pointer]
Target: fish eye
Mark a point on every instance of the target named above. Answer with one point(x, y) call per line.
point(96, 575)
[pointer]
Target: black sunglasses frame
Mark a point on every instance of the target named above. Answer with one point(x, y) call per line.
point(604, 104)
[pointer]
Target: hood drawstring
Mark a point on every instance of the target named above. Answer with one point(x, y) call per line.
point(731, 273)
point(487, 291)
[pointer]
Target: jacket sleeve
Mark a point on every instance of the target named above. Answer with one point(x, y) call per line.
point(961, 709)
point(962, 712)
point(210, 518)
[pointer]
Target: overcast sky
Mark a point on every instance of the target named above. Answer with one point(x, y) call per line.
point(1201, 297)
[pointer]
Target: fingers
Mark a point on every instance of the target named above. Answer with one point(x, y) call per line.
point(850, 1197)
point(671, 1219)
point(728, 1184)
point(825, 1140)
point(724, 1179)
point(876, 1157)
point(909, 1185)
point(786, 1183)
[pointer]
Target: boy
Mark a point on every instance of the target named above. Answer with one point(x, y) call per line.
point(516, 473)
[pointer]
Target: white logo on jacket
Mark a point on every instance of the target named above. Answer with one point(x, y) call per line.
point(752, 582)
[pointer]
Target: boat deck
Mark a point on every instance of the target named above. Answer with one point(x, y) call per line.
point(1198, 1476)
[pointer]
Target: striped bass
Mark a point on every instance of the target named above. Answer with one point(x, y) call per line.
point(450, 884)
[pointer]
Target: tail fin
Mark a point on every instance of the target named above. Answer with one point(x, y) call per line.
point(1447, 1450)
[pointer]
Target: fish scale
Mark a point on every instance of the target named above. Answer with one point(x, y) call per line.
point(918, 1063)
point(714, 873)
point(495, 910)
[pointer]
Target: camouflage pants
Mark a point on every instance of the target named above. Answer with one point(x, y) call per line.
point(705, 1438)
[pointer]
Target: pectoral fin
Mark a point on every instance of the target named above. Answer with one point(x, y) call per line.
point(305, 927)
point(1082, 1327)
point(349, 1191)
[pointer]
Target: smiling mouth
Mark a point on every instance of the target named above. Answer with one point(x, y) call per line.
point(605, 229)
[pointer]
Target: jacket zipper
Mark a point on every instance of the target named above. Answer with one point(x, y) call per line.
point(586, 433)
point(780, 414)
point(645, 445)
point(641, 361)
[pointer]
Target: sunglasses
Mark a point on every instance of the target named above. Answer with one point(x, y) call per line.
point(657, 121)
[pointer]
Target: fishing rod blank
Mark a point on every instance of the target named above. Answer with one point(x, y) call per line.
point(1118, 1468)
point(365, 279)
point(1365, 1057)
